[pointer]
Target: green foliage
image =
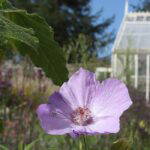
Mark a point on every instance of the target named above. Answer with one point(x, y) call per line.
point(121, 144)
point(3, 147)
point(31, 145)
point(1, 126)
point(12, 31)
point(70, 18)
point(77, 51)
point(32, 36)
point(22, 146)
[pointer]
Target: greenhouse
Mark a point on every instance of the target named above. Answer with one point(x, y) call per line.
point(131, 51)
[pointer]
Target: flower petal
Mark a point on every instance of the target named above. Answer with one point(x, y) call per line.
point(74, 135)
point(52, 123)
point(113, 99)
point(80, 88)
point(104, 125)
point(60, 105)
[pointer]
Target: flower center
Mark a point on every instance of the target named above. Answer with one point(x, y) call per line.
point(81, 116)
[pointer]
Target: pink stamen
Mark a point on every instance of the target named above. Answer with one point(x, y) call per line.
point(82, 116)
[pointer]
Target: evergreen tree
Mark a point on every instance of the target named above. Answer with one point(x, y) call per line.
point(69, 18)
point(143, 6)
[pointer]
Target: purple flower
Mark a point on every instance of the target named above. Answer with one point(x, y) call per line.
point(83, 105)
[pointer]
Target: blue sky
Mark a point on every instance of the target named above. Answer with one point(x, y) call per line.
point(112, 7)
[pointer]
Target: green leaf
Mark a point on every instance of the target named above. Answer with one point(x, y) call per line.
point(20, 145)
point(4, 4)
point(9, 30)
point(121, 144)
point(1, 126)
point(30, 146)
point(3, 147)
point(48, 55)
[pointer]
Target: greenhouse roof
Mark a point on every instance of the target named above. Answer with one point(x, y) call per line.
point(134, 33)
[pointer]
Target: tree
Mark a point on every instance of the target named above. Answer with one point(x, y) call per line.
point(143, 6)
point(70, 18)
point(76, 51)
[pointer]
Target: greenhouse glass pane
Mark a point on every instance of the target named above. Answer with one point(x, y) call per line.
point(134, 35)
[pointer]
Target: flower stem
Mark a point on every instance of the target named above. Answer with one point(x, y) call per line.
point(85, 144)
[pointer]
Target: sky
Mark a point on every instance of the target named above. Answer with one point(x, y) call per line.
point(110, 8)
